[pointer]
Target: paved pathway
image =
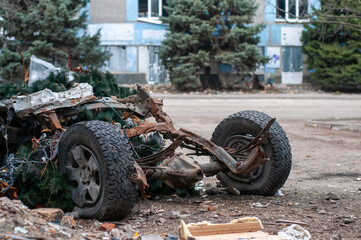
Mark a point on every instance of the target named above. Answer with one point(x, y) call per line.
point(260, 96)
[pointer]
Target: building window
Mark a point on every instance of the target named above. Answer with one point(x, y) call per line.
point(143, 8)
point(292, 10)
point(150, 8)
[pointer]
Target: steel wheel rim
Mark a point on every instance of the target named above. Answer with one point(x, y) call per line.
point(238, 141)
point(85, 177)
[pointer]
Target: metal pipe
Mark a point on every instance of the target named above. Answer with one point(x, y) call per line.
point(212, 168)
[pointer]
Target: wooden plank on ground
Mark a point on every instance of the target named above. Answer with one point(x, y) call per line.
point(237, 236)
point(251, 225)
point(248, 227)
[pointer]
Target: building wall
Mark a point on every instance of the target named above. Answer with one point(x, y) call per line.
point(134, 43)
point(108, 11)
point(129, 33)
point(259, 18)
point(281, 40)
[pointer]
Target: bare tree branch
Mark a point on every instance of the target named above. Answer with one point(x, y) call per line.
point(338, 22)
point(339, 16)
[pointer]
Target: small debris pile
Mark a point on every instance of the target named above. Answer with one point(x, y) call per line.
point(19, 222)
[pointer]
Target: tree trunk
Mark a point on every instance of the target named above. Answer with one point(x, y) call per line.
point(255, 83)
point(207, 76)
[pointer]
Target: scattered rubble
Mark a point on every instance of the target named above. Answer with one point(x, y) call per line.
point(68, 221)
point(107, 226)
point(294, 232)
point(152, 237)
point(322, 212)
point(260, 205)
point(19, 222)
point(210, 208)
point(74, 214)
point(116, 233)
point(332, 197)
point(50, 214)
point(279, 193)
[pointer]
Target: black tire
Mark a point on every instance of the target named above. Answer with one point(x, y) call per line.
point(98, 160)
point(270, 176)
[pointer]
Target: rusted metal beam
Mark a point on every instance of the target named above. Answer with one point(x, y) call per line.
point(255, 159)
point(147, 127)
point(162, 155)
point(261, 137)
point(53, 121)
point(215, 150)
point(141, 180)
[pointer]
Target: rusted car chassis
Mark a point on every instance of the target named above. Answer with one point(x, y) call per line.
point(241, 156)
point(185, 175)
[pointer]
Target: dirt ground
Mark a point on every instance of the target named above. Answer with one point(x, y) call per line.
point(323, 192)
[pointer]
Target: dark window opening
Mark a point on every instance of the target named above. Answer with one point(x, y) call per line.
point(143, 8)
point(281, 9)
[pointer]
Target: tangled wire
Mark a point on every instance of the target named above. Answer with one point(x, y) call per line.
point(44, 150)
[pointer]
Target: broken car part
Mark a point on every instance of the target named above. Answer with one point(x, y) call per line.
point(249, 151)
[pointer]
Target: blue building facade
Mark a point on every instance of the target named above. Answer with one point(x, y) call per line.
point(280, 39)
point(132, 32)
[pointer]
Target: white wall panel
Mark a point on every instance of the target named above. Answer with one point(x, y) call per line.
point(292, 77)
point(291, 36)
point(143, 63)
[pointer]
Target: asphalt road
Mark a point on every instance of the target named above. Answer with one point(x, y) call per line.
point(322, 158)
point(202, 113)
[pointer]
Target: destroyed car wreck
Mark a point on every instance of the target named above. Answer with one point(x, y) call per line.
point(249, 150)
